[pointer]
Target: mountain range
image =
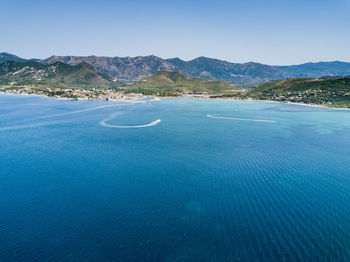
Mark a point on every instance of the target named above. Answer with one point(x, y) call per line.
point(85, 76)
point(243, 74)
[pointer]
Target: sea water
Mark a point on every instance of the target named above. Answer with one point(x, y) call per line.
point(173, 180)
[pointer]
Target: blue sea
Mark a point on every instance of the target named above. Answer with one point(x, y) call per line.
point(173, 180)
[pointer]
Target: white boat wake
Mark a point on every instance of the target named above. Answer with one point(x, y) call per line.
point(77, 111)
point(241, 119)
point(104, 123)
point(7, 128)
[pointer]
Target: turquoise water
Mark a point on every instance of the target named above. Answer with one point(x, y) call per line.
point(206, 183)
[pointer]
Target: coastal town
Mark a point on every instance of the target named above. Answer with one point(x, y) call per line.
point(69, 93)
point(85, 94)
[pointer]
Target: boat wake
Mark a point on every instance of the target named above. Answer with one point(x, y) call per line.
point(103, 122)
point(77, 111)
point(113, 116)
point(7, 128)
point(241, 119)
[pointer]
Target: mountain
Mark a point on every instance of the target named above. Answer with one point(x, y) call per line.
point(56, 74)
point(175, 81)
point(245, 75)
point(330, 91)
point(123, 68)
point(315, 70)
point(9, 57)
point(214, 69)
point(137, 68)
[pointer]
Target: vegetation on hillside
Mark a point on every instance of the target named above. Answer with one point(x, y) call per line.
point(175, 82)
point(56, 75)
point(330, 91)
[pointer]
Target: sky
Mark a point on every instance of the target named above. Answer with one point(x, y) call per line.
point(275, 32)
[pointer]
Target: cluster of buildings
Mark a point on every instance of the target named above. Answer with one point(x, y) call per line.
point(61, 93)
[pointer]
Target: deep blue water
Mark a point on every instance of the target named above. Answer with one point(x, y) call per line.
point(191, 188)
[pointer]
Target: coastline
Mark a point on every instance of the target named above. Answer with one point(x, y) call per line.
point(128, 99)
point(282, 102)
point(300, 104)
point(271, 101)
point(137, 98)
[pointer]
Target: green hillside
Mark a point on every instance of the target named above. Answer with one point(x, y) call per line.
point(166, 81)
point(332, 91)
point(58, 74)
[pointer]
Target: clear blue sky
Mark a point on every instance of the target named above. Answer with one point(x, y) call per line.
point(271, 31)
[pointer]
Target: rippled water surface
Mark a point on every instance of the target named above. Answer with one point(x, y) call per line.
point(193, 180)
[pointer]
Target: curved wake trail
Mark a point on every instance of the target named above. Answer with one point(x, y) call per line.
point(7, 128)
point(104, 123)
point(241, 119)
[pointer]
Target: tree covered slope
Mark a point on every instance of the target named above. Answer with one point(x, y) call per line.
point(330, 91)
point(177, 82)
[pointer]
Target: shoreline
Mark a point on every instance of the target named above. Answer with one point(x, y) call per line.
point(299, 104)
point(271, 101)
point(136, 98)
point(128, 99)
point(282, 102)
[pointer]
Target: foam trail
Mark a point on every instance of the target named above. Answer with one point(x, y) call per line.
point(242, 119)
point(75, 112)
point(104, 123)
point(7, 128)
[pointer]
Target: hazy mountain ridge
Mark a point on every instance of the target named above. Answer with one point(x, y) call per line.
point(246, 74)
point(315, 70)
